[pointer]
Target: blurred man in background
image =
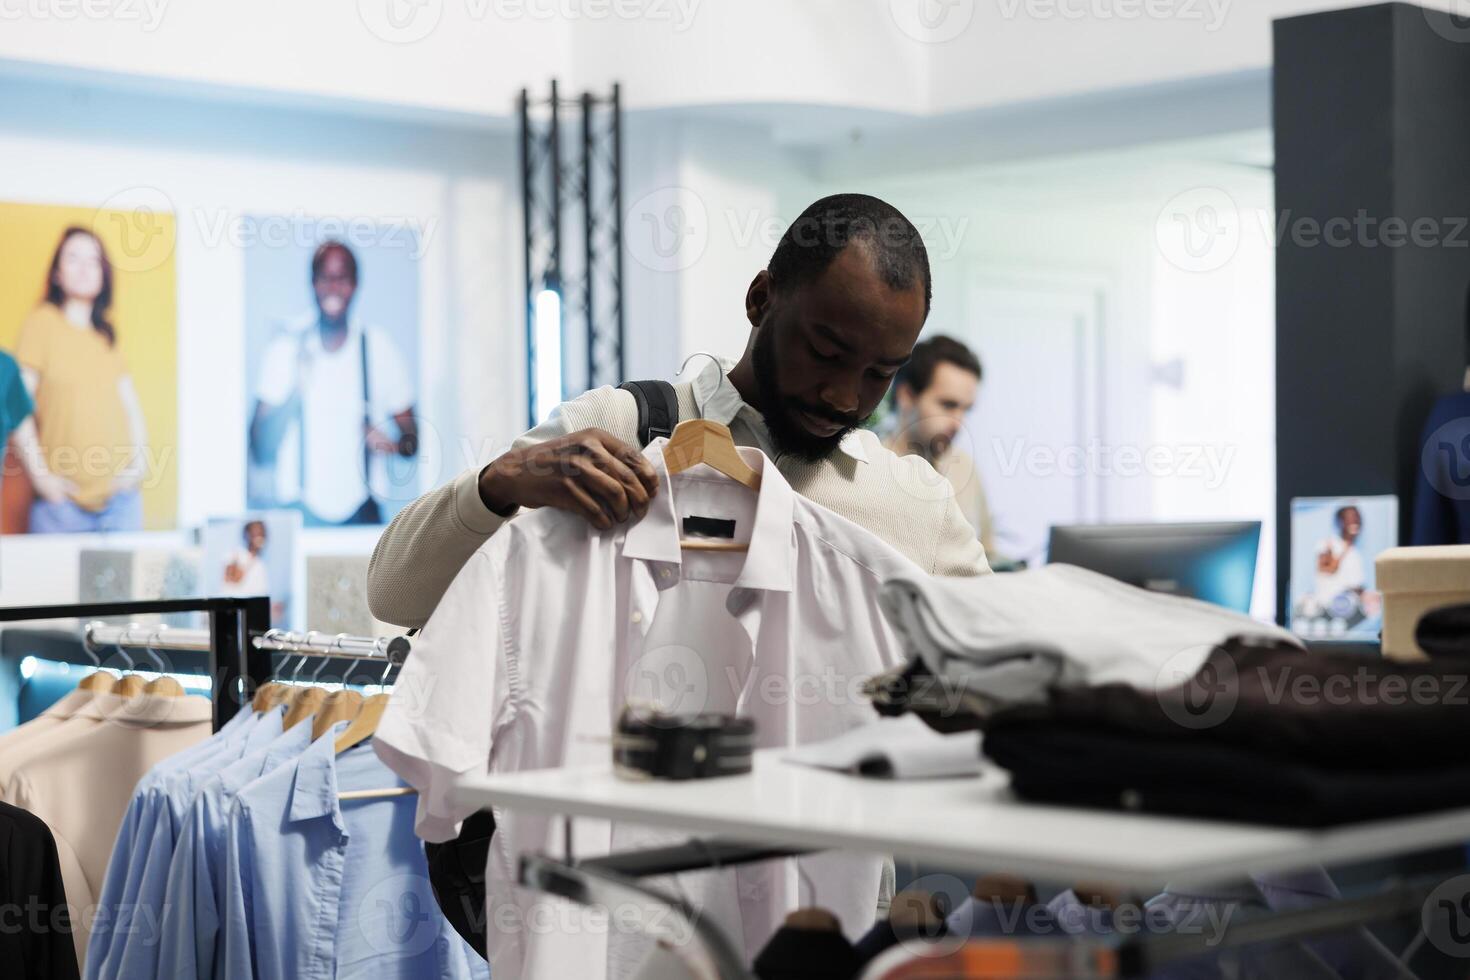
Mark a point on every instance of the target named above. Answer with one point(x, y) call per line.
point(331, 389)
point(932, 393)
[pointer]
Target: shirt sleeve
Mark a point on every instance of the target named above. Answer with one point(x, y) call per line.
point(438, 725)
point(34, 345)
point(186, 913)
point(135, 948)
point(277, 371)
point(958, 551)
point(236, 956)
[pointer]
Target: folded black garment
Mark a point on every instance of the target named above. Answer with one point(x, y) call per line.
point(1445, 632)
point(1193, 776)
point(807, 954)
point(1339, 712)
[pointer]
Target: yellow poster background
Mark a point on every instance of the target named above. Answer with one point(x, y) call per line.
point(140, 245)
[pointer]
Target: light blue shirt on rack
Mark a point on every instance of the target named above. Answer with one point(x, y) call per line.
point(316, 887)
point(117, 901)
point(134, 953)
point(190, 923)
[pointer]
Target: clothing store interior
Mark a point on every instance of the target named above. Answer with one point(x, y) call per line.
point(734, 489)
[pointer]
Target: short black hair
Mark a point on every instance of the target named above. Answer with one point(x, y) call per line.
point(320, 256)
point(1341, 513)
point(827, 227)
point(928, 354)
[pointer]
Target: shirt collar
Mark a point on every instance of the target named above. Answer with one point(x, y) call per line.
point(769, 559)
point(147, 709)
point(69, 705)
point(267, 729)
point(719, 401)
point(314, 789)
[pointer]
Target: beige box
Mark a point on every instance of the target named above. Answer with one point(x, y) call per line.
point(1413, 582)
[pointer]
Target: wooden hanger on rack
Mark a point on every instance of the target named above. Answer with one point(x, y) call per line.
point(304, 702)
point(364, 725)
point(98, 682)
point(342, 705)
point(698, 441)
point(361, 729)
point(264, 695)
point(161, 686)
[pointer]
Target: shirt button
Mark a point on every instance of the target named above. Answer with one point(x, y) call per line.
point(637, 617)
point(664, 573)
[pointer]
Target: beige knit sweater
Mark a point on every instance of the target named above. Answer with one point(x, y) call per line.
point(901, 499)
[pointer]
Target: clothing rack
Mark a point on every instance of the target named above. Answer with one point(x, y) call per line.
point(236, 665)
point(239, 640)
point(389, 650)
point(340, 646)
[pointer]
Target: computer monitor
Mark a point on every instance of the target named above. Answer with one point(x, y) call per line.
point(1215, 562)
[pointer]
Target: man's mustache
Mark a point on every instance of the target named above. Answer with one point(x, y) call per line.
point(848, 421)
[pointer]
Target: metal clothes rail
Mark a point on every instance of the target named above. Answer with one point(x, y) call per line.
point(239, 640)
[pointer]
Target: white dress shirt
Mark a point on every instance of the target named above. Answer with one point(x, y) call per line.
point(552, 625)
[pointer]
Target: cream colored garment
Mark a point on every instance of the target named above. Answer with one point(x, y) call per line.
point(80, 785)
point(898, 499)
point(958, 467)
point(46, 720)
point(58, 724)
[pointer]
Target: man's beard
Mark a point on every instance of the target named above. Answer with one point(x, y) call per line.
point(789, 437)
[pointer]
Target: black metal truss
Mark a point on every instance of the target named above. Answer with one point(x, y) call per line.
point(571, 192)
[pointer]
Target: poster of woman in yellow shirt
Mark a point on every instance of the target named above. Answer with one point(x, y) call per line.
point(86, 450)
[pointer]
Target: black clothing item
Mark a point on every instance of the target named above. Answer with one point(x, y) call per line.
point(35, 922)
point(807, 954)
point(885, 935)
point(1445, 632)
point(1337, 712)
point(457, 876)
point(1189, 775)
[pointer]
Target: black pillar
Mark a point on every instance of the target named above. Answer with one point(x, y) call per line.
point(1373, 253)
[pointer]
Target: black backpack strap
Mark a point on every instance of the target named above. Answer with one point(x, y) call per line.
point(658, 408)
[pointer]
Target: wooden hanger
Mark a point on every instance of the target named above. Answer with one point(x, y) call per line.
point(342, 705)
point(364, 725)
point(362, 728)
point(164, 687)
point(129, 686)
point(698, 441)
point(264, 695)
point(304, 704)
point(98, 682)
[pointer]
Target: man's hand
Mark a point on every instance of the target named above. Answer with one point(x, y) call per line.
point(588, 473)
point(378, 442)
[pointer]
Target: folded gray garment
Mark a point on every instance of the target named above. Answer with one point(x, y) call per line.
point(1007, 639)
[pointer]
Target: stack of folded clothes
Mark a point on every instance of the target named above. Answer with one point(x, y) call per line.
point(1258, 733)
point(1092, 692)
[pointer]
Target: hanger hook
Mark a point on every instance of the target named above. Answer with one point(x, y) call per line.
point(811, 886)
point(152, 653)
point(89, 646)
point(319, 668)
point(297, 672)
point(121, 653)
